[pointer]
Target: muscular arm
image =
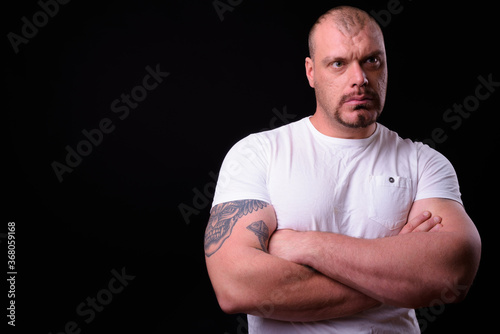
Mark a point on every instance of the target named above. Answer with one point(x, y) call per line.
point(408, 270)
point(247, 279)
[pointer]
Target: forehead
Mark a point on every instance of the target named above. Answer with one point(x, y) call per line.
point(330, 41)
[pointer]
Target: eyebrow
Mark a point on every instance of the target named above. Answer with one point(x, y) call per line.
point(329, 59)
point(376, 53)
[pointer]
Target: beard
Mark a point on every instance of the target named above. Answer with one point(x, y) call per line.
point(363, 120)
point(355, 116)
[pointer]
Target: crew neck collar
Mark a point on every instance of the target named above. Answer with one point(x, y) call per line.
point(342, 141)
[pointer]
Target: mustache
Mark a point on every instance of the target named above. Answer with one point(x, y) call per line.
point(368, 92)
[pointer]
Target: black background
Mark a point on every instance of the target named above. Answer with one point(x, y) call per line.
point(120, 207)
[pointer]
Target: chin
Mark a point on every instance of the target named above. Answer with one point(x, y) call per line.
point(358, 118)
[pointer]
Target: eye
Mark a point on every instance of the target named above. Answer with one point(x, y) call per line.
point(337, 64)
point(374, 61)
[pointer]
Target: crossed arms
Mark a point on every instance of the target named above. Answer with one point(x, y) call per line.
point(311, 276)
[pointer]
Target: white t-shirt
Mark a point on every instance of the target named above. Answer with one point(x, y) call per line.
point(362, 188)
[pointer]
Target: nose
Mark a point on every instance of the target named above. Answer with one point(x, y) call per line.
point(358, 76)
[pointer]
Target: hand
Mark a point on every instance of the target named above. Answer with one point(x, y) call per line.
point(424, 222)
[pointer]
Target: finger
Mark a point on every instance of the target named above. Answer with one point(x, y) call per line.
point(428, 225)
point(415, 222)
point(436, 227)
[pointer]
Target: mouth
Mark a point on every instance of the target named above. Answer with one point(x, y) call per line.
point(357, 100)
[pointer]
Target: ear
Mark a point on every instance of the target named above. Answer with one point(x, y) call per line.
point(310, 71)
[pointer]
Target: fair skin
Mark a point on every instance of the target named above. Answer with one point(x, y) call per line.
point(248, 279)
point(409, 270)
point(350, 66)
point(346, 65)
point(310, 276)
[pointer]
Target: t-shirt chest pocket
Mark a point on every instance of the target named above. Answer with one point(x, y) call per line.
point(390, 200)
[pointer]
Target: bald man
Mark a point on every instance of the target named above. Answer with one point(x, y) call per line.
point(334, 224)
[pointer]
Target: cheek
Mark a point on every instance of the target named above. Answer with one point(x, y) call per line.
point(380, 83)
point(330, 86)
point(328, 93)
point(383, 79)
point(383, 86)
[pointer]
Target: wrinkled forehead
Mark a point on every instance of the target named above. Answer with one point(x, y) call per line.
point(358, 41)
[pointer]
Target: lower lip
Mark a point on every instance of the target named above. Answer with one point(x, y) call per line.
point(356, 102)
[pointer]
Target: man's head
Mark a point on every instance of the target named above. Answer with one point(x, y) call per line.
point(347, 68)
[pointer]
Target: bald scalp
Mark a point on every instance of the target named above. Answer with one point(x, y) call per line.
point(348, 20)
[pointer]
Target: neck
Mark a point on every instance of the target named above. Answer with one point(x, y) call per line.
point(332, 128)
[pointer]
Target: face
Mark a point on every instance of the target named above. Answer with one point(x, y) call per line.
point(349, 75)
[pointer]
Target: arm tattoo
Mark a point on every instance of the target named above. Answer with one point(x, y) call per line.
point(223, 217)
point(261, 231)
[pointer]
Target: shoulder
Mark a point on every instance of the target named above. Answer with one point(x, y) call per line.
point(392, 144)
point(421, 155)
point(266, 139)
point(433, 172)
point(422, 151)
point(392, 137)
point(293, 128)
point(244, 171)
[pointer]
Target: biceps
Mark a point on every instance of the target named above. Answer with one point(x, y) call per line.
point(245, 223)
point(235, 240)
point(454, 217)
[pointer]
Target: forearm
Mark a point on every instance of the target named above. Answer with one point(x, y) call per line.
point(270, 287)
point(406, 270)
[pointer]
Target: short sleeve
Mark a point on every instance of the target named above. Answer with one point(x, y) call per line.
point(243, 174)
point(436, 176)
